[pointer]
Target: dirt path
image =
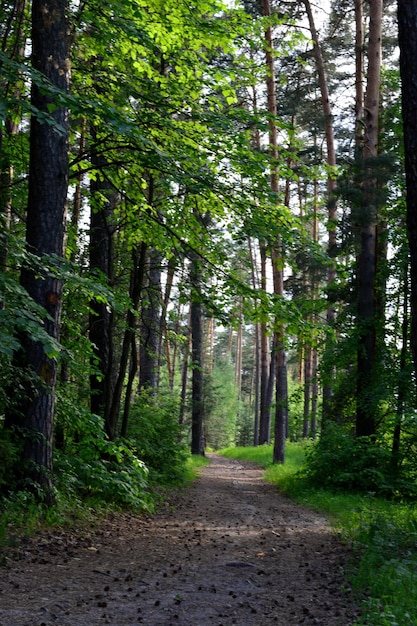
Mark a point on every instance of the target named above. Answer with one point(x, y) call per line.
point(231, 551)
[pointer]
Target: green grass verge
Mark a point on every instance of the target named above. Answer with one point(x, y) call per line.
point(193, 466)
point(383, 536)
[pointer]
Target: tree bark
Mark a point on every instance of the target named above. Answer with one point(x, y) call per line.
point(367, 262)
point(407, 30)
point(101, 252)
point(281, 410)
point(135, 290)
point(150, 338)
point(265, 404)
point(45, 231)
point(196, 318)
point(331, 198)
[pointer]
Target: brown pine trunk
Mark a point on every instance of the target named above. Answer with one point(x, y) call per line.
point(331, 187)
point(367, 262)
point(407, 23)
point(45, 231)
point(150, 324)
point(101, 253)
point(196, 319)
point(257, 354)
point(276, 256)
point(265, 405)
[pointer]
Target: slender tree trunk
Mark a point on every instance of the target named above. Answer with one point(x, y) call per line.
point(265, 404)
point(165, 341)
point(402, 380)
point(77, 201)
point(238, 359)
point(276, 255)
point(45, 231)
point(197, 413)
point(331, 198)
point(133, 368)
point(407, 23)
point(307, 390)
point(257, 353)
point(150, 324)
point(101, 323)
point(367, 270)
point(135, 291)
point(184, 373)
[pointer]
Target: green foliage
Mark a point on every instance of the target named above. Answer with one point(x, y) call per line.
point(91, 466)
point(244, 425)
point(9, 454)
point(156, 436)
point(263, 455)
point(387, 572)
point(340, 461)
point(221, 406)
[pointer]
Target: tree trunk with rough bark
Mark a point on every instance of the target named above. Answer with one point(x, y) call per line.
point(101, 322)
point(407, 27)
point(196, 319)
point(45, 232)
point(331, 188)
point(367, 261)
point(281, 408)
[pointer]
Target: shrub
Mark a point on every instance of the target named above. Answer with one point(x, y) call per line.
point(9, 454)
point(156, 436)
point(93, 466)
point(341, 461)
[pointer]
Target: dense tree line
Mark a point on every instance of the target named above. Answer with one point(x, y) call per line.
point(203, 240)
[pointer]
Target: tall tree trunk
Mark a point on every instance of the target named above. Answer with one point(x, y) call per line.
point(402, 374)
point(331, 198)
point(238, 358)
point(276, 256)
point(367, 270)
point(308, 355)
point(407, 24)
point(164, 335)
point(45, 231)
point(257, 353)
point(265, 404)
point(135, 290)
point(150, 324)
point(101, 322)
point(184, 372)
point(196, 318)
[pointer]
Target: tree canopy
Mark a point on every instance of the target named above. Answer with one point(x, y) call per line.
point(203, 239)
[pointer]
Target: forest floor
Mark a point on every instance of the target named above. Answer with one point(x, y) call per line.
point(228, 550)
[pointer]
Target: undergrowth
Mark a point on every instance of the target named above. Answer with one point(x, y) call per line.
point(381, 532)
point(85, 504)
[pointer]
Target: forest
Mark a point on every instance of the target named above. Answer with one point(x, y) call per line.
point(208, 239)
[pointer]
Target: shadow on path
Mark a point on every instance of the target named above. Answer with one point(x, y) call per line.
point(229, 550)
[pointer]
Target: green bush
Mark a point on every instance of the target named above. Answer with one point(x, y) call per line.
point(156, 436)
point(93, 466)
point(9, 454)
point(340, 461)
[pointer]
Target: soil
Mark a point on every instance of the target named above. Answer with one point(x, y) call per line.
point(228, 550)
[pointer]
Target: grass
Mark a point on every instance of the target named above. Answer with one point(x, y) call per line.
point(193, 466)
point(383, 536)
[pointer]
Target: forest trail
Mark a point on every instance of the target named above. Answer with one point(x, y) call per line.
point(229, 550)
